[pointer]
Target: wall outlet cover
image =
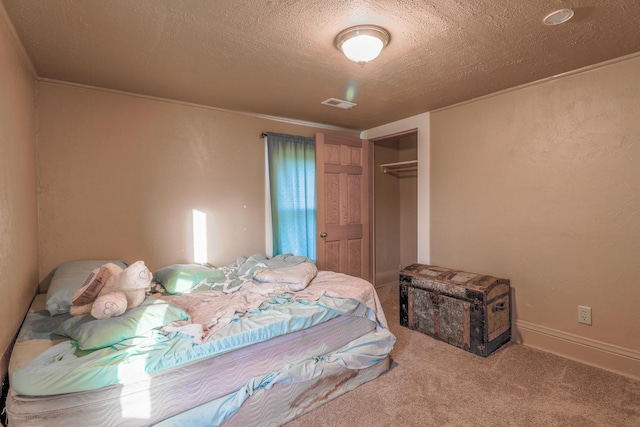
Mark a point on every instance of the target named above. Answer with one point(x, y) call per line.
point(584, 315)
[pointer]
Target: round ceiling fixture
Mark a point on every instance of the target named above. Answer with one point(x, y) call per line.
point(558, 17)
point(362, 43)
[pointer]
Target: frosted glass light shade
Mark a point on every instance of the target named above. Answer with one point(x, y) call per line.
point(362, 43)
point(558, 17)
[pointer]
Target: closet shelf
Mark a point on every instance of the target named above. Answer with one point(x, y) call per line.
point(400, 168)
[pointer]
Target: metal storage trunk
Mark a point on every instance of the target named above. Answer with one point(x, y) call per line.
point(468, 310)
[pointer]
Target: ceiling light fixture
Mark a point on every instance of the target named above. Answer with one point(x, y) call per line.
point(558, 17)
point(362, 43)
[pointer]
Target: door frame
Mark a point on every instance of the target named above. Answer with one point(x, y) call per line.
point(420, 124)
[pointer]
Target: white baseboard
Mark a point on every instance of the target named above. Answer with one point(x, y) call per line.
point(621, 360)
point(386, 277)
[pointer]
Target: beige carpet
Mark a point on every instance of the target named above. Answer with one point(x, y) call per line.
point(432, 383)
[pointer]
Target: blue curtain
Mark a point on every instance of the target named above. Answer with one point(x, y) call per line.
point(292, 182)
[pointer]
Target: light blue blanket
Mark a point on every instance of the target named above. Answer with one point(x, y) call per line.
point(65, 369)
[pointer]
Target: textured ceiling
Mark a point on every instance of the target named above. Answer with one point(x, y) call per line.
point(276, 57)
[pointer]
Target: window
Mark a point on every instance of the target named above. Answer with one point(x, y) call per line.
point(292, 191)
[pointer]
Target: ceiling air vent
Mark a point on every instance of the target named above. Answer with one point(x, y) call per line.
point(338, 103)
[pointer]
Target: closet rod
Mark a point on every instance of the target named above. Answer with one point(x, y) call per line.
point(408, 166)
point(410, 162)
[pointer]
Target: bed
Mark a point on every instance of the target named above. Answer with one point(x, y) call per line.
point(260, 341)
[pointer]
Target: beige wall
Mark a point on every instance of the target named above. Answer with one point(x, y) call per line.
point(120, 174)
point(542, 185)
point(18, 226)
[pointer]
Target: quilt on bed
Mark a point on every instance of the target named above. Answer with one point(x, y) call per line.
point(255, 302)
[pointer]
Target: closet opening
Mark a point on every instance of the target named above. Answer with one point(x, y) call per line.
point(395, 206)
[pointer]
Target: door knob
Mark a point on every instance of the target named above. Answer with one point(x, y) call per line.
point(323, 234)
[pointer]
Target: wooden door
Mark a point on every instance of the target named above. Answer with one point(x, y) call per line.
point(343, 205)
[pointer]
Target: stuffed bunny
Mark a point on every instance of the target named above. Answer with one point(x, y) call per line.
point(109, 290)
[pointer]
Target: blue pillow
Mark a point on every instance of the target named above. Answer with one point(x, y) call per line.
point(92, 334)
point(179, 278)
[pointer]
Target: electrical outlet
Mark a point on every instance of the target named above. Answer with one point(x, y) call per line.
point(584, 315)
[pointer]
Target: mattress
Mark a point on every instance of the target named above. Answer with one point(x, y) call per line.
point(217, 388)
point(283, 402)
